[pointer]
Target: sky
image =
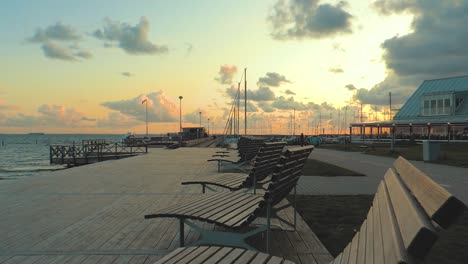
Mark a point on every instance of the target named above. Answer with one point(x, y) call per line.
point(86, 66)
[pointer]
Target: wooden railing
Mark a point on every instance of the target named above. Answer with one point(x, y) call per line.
point(84, 154)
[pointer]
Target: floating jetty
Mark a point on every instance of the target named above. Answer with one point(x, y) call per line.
point(92, 151)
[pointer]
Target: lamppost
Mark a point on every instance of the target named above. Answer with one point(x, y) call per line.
point(180, 121)
point(208, 126)
point(199, 130)
point(146, 107)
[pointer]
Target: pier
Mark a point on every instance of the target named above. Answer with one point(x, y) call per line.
point(92, 151)
point(94, 213)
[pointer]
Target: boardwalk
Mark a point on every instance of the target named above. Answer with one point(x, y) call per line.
point(94, 213)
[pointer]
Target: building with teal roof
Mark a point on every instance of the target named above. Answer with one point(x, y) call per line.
point(438, 109)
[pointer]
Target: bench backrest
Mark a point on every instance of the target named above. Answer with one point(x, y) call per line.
point(249, 147)
point(264, 163)
point(402, 223)
point(287, 173)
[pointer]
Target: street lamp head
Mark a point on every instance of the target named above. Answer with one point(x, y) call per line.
point(180, 97)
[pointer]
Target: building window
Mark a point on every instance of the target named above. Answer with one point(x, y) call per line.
point(426, 108)
point(447, 107)
point(436, 104)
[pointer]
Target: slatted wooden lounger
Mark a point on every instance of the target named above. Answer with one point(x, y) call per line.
point(236, 210)
point(204, 254)
point(263, 165)
point(247, 150)
point(408, 210)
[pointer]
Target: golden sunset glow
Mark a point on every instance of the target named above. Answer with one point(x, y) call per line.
point(83, 67)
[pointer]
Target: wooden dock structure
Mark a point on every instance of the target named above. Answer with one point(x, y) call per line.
point(76, 155)
point(94, 213)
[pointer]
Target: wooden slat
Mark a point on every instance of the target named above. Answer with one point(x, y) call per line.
point(393, 249)
point(233, 206)
point(217, 208)
point(370, 236)
point(246, 257)
point(353, 251)
point(260, 258)
point(235, 214)
point(219, 255)
point(198, 204)
point(186, 258)
point(377, 240)
point(361, 250)
point(210, 251)
point(417, 232)
point(191, 203)
point(440, 205)
point(338, 258)
point(234, 254)
point(345, 257)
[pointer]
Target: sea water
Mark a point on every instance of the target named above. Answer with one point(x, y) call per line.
point(28, 154)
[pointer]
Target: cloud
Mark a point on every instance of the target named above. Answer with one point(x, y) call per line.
point(251, 107)
point(435, 47)
point(60, 114)
point(388, 7)
point(49, 38)
point(261, 94)
point(160, 107)
point(47, 115)
point(284, 103)
point(84, 54)
point(226, 73)
point(231, 91)
point(266, 107)
point(272, 79)
point(299, 19)
point(194, 117)
point(132, 39)
point(400, 87)
point(350, 87)
point(59, 32)
point(336, 70)
point(127, 74)
point(54, 51)
point(117, 119)
point(289, 92)
point(19, 120)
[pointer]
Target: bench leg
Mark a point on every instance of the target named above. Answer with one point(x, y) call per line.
point(223, 238)
point(181, 232)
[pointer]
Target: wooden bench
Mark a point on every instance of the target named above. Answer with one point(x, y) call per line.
point(234, 211)
point(248, 148)
point(407, 212)
point(263, 165)
point(204, 254)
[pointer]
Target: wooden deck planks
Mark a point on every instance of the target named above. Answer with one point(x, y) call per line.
point(94, 213)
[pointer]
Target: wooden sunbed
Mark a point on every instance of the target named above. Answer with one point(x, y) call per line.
point(247, 150)
point(263, 165)
point(234, 211)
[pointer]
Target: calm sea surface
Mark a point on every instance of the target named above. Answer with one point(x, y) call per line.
point(27, 155)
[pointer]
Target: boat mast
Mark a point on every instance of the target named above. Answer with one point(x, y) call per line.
point(245, 101)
